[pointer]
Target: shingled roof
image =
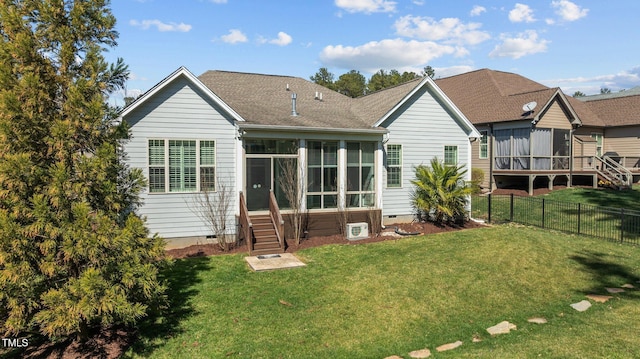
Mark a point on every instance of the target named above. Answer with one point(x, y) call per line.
point(617, 111)
point(486, 96)
point(266, 100)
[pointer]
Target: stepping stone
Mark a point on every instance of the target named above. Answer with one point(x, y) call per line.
point(599, 298)
point(422, 353)
point(614, 290)
point(501, 328)
point(537, 320)
point(393, 357)
point(449, 346)
point(628, 286)
point(476, 339)
point(581, 306)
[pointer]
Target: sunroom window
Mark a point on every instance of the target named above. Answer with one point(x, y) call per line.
point(360, 174)
point(322, 174)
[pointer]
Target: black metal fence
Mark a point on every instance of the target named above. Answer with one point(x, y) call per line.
point(616, 224)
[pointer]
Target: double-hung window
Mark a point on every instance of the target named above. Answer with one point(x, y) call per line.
point(598, 138)
point(484, 145)
point(451, 155)
point(394, 166)
point(181, 165)
point(360, 174)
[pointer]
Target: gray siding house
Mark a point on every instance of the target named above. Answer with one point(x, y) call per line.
point(233, 132)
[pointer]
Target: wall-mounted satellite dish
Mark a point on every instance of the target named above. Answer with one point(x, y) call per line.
point(528, 107)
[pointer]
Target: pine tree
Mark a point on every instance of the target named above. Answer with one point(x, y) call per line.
point(73, 254)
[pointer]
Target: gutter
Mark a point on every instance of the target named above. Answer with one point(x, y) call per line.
point(304, 129)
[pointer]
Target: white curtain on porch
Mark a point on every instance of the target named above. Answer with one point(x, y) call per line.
point(541, 149)
point(521, 148)
point(503, 149)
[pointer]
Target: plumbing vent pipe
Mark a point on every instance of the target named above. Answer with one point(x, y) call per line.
point(293, 104)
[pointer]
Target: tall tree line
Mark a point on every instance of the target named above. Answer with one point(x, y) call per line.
point(354, 84)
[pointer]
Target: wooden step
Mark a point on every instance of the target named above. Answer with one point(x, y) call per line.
point(266, 245)
point(257, 252)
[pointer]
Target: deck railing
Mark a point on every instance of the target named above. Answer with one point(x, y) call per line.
point(276, 218)
point(246, 228)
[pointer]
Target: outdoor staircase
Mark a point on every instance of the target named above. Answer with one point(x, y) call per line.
point(613, 174)
point(265, 238)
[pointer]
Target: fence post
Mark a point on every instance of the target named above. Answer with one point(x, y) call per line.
point(511, 209)
point(489, 208)
point(543, 213)
point(621, 225)
point(578, 217)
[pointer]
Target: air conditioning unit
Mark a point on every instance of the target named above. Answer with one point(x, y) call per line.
point(357, 231)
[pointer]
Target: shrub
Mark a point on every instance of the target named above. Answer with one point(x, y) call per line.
point(440, 192)
point(477, 177)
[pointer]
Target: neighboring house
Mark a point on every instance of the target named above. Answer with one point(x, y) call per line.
point(235, 131)
point(534, 136)
point(619, 138)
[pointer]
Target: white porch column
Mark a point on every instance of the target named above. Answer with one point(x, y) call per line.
point(302, 173)
point(239, 177)
point(379, 165)
point(342, 174)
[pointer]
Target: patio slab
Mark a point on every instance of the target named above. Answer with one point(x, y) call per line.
point(273, 261)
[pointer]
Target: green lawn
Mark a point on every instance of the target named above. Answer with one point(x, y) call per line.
point(628, 199)
point(608, 214)
point(381, 299)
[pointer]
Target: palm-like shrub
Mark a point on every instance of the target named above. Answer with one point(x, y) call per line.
point(441, 193)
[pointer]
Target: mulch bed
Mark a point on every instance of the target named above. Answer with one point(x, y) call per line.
point(421, 227)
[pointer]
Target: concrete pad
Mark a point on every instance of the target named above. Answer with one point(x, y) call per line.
point(273, 261)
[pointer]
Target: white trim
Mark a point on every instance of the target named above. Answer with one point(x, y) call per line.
point(301, 129)
point(379, 172)
point(182, 71)
point(342, 175)
point(302, 173)
point(472, 131)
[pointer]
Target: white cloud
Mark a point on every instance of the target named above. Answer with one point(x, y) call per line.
point(477, 10)
point(161, 26)
point(234, 36)
point(283, 39)
point(526, 43)
point(366, 6)
point(442, 72)
point(569, 11)
point(385, 54)
point(447, 29)
point(622, 80)
point(521, 13)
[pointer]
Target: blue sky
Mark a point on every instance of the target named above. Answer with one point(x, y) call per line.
point(576, 45)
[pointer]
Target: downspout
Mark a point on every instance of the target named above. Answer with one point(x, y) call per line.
point(490, 144)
